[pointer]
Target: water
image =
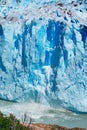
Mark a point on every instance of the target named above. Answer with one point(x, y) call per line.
point(44, 114)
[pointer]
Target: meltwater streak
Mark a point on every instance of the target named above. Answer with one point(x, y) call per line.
point(44, 114)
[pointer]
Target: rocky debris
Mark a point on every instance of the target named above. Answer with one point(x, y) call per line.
point(51, 127)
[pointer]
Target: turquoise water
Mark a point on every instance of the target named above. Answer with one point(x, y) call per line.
point(44, 114)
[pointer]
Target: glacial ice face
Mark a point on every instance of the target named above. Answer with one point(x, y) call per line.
point(43, 53)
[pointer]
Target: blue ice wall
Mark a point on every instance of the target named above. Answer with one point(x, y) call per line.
point(47, 58)
point(3, 68)
point(17, 41)
point(43, 58)
point(55, 35)
point(24, 60)
point(1, 30)
point(83, 31)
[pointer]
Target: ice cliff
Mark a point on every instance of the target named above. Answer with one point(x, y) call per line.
point(43, 52)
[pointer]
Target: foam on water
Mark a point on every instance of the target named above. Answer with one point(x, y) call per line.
point(44, 114)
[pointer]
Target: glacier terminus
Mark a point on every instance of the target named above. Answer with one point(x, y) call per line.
point(43, 52)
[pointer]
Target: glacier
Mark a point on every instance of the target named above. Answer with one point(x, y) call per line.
point(43, 52)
